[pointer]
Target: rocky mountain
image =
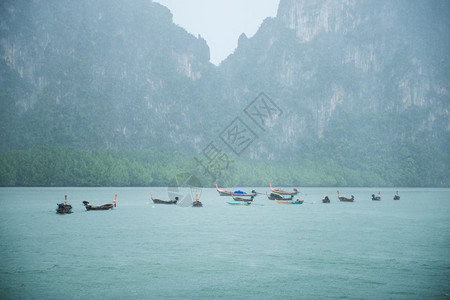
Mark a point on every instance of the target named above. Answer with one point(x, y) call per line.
point(362, 85)
point(365, 80)
point(354, 57)
point(96, 74)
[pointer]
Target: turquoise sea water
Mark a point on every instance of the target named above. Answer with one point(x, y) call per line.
point(363, 250)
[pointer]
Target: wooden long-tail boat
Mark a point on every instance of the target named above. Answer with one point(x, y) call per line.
point(235, 198)
point(396, 197)
point(276, 196)
point(283, 192)
point(101, 207)
point(197, 202)
point(290, 202)
point(377, 198)
point(344, 199)
point(159, 201)
point(239, 203)
point(223, 192)
point(64, 208)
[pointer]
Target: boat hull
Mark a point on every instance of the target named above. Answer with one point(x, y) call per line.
point(101, 207)
point(158, 201)
point(64, 209)
point(290, 202)
point(242, 199)
point(282, 192)
point(225, 193)
point(342, 199)
point(276, 196)
point(230, 193)
point(239, 203)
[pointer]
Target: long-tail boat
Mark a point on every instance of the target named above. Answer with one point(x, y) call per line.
point(290, 202)
point(344, 199)
point(239, 203)
point(276, 196)
point(283, 192)
point(101, 207)
point(235, 193)
point(197, 202)
point(377, 198)
point(64, 208)
point(235, 198)
point(159, 201)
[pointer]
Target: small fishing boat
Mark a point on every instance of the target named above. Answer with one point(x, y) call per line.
point(377, 198)
point(239, 203)
point(344, 199)
point(64, 208)
point(396, 197)
point(197, 202)
point(235, 193)
point(325, 199)
point(159, 201)
point(276, 196)
point(290, 202)
point(282, 192)
point(101, 207)
point(243, 199)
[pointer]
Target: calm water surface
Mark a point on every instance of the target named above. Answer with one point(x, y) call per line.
point(363, 250)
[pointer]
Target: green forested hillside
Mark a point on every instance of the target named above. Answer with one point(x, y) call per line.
point(69, 167)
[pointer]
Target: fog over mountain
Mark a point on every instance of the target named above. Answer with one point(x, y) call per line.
point(362, 86)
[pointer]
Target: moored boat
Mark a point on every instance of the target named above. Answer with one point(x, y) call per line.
point(290, 202)
point(239, 203)
point(159, 201)
point(396, 197)
point(197, 202)
point(283, 192)
point(277, 196)
point(325, 199)
point(64, 208)
point(344, 199)
point(377, 198)
point(235, 198)
point(101, 207)
point(240, 193)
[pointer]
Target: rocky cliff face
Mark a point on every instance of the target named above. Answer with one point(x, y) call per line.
point(94, 74)
point(355, 80)
point(332, 58)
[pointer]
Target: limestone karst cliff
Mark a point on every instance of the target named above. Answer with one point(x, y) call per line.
point(364, 84)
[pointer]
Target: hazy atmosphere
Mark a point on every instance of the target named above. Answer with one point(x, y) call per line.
point(326, 93)
point(290, 149)
point(221, 22)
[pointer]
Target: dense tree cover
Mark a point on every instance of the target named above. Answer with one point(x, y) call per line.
point(47, 166)
point(67, 167)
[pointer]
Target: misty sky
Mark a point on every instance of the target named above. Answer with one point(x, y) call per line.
point(221, 22)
